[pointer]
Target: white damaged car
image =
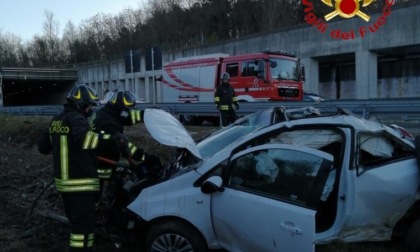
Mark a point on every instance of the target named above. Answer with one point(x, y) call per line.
point(300, 181)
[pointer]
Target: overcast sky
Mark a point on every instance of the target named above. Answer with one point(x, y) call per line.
point(25, 18)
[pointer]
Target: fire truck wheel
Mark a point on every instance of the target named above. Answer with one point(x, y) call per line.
point(188, 119)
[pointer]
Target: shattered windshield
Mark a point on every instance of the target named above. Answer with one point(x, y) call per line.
point(221, 139)
point(283, 69)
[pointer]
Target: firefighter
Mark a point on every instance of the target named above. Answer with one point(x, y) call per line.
point(118, 112)
point(72, 143)
point(111, 119)
point(226, 100)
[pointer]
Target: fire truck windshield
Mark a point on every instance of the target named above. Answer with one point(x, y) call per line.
point(283, 69)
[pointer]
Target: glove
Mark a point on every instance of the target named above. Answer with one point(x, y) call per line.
point(122, 164)
point(236, 106)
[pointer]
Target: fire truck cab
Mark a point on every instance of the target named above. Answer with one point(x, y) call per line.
point(265, 76)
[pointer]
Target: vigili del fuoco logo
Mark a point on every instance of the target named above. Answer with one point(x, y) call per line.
point(346, 9)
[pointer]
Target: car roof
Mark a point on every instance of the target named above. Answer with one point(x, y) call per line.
point(344, 117)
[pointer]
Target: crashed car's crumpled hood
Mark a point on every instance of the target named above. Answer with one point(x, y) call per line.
point(167, 130)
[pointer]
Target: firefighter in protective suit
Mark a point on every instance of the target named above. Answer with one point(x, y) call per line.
point(118, 112)
point(226, 101)
point(111, 119)
point(72, 144)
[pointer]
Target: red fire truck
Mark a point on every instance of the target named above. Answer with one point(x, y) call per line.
point(265, 76)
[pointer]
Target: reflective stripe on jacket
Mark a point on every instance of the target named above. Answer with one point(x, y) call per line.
point(72, 144)
point(225, 96)
point(106, 121)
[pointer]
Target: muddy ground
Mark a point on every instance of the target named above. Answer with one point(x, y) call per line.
point(25, 173)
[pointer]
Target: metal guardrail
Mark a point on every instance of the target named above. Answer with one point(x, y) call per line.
point(403, 112)
point(407, 109)
point(32, 110)
point(410, 108)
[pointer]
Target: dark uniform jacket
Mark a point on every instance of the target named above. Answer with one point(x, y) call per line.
point(225, 97)
point(106, 122)
point(71, 142)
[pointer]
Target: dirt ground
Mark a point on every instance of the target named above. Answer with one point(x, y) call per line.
point(25, 173)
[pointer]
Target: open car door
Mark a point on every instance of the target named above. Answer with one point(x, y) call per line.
point(271, 193)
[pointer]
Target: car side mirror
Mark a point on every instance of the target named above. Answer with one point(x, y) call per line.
point(212, 185)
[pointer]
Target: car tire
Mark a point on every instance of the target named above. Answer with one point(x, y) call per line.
point(412, 240)
point(174, 236)
point(188, 119)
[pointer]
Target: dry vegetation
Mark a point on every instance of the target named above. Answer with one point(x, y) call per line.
point(24, 174)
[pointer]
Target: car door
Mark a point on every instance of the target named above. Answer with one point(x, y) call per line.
point(270, 195)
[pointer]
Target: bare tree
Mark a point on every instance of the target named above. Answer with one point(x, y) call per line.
point(49, 43)
point(51, 25)
point(277, 13)
point(10, 48)
point(170, 24)
point(70, 36)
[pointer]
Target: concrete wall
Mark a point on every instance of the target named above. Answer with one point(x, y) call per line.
point(393, 35)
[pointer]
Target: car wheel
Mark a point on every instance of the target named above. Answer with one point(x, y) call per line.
point(412, 240)
point(174, 236)
point(188, 119)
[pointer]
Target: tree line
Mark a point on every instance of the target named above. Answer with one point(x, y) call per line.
point(169, 24)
